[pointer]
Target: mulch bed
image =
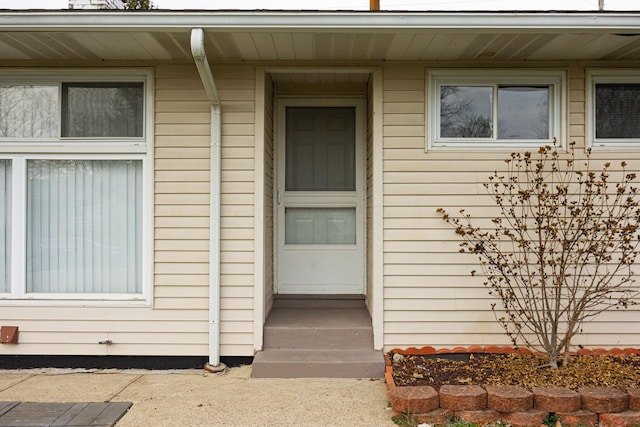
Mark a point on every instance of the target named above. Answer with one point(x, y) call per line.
point(616, 371)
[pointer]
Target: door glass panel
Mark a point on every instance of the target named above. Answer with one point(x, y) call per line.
point(320, 226)
point(320, 149)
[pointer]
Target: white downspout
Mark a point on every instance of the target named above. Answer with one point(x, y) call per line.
point(200, 57)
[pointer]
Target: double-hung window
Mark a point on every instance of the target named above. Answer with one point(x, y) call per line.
point(613, 108)
point(75, 184)
point(494, 108)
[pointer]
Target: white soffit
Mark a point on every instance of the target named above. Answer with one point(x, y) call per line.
point(320, 36)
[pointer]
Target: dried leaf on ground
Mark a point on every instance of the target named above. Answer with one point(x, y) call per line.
point(621, 372)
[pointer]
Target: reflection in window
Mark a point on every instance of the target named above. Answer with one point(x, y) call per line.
point(320, 149)
point(320, 226)
point(523, 112)
point(466, 111)
point(102, 110)
point(617, 107)
point(29, 111)
point(5, 225)
point(84, 226)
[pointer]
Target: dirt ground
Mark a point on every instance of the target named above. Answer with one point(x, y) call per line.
point(620, 372)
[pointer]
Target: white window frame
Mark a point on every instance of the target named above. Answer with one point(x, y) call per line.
point(555, 79)
point(21, 150)
point(595, 76)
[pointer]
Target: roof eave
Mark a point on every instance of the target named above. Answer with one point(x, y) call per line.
point(317, 20)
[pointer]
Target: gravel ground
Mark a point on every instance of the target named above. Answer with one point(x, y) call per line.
point(194, 398)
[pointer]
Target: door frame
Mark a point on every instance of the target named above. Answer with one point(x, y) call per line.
point(360, 171)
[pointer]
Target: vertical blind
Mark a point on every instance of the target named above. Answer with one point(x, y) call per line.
point(5, 225)
point(84, 226)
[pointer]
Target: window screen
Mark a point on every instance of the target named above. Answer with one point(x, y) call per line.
point(617, 107)
point(320, 149)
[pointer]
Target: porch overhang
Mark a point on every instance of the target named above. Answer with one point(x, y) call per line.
point(320, 36)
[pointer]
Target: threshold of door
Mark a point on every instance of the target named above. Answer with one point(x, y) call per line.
point(318, 301)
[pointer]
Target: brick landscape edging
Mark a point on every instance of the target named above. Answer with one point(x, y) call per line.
point(517, 406)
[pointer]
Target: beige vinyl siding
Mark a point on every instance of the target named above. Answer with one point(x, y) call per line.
point(182, 150)
point(182, 199)
point(182, 173)
point(429, 296)
point(177, 321)
point(369, 193)
point(236, 86)
point(137, 331)
point(268, 194)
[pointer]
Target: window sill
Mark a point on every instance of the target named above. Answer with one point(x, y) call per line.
point(76, 301)
point(483, 146)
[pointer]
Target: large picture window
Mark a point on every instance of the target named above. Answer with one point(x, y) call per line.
point(494, 108)
point(613, 98)
point(84, 226)
point(74, 165)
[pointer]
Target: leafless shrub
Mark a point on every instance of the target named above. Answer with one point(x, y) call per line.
point(562, 249)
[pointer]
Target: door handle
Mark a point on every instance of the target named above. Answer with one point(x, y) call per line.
point(279, 197)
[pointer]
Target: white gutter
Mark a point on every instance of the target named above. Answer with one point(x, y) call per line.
point(200, 58)
point(305, 21)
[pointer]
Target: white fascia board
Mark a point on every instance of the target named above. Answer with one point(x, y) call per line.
point(305, 21)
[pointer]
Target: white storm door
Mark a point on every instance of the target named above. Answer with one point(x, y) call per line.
point(320, 197)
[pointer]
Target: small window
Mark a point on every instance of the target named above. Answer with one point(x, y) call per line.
point(494, 108)
point(29, 111)
point(65, 109)
point(102, 110)
point(466, 112)
point(614, 107)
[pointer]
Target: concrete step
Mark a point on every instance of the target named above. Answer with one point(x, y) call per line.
point(325, 337)
point(322, 329)
point(290, 363)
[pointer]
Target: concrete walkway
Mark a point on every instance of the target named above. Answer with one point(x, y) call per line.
point(196, 398)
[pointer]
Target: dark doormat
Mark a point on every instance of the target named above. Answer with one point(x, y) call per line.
point(33, 414)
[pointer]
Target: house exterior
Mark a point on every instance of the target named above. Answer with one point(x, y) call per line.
point(165, 175)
